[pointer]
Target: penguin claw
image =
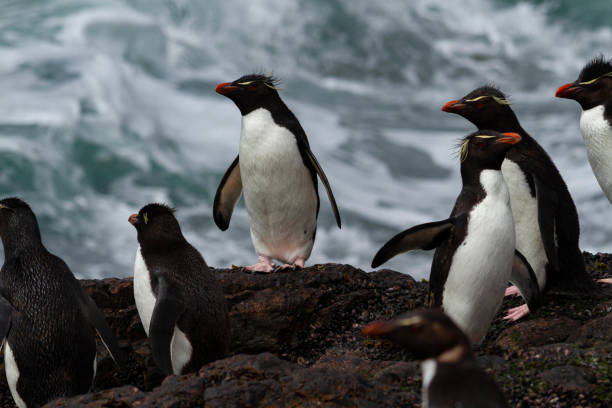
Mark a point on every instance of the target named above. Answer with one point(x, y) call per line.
point(512, 291)
point(298, 264)
point(607, 280)
point(287, 266)
point(516, 313)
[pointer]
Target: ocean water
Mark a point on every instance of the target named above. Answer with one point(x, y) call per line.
point(108, 105)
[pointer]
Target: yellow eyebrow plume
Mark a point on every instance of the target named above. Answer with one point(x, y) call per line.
point(596, 79)
point(409, 321)
point(497, 99)
point(245, 83)
point(464, 150)
point(146, 217)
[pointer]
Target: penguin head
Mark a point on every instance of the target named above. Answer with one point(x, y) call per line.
point(486, 149)
point(156, 226)
point(17, 221)
point(425, 333)
point(250, 91)
point(485, 107)
point(593, 86)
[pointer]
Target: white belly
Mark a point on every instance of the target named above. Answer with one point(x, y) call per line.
point(180, 350)
point(481, 265)
point(278, 190)
point(598, 140)
point(526, 224)
point(429, 367)
point(12, 375)
point(143, 293)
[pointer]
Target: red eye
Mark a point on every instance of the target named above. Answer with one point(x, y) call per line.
point(480, 105)
point(481, 145)
point(252, 88)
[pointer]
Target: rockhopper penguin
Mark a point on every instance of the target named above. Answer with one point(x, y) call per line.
point(593, 91)
point(451, 375)
point(46, 317)
point(179, 300)
point(475, 255)
point(277, 172)
point(545, 217)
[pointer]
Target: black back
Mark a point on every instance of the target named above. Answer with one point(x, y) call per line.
point(53, 344)
point(487, 113)
point(463, 384)
point(165, 250)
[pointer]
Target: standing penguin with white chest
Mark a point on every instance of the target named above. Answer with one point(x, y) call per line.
point(277, 172)
point(179, 300)
point(46, 317)
point(545, 217)
point(593, 91)
point(475, 255)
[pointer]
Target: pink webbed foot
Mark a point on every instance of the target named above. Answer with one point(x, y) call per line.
point(264, 264)
point(298, 264)
point(512, 291)
point(517, 312)
point(607, 280)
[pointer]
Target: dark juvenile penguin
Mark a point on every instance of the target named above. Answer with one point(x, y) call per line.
point(545, 217)
point(277, 172)
point(451, 375)
point(179, 300)
point(46, 317)
point(475, 255)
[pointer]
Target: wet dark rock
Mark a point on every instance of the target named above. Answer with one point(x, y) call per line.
point(566, 377)
point(297, 342)
point(536, 333)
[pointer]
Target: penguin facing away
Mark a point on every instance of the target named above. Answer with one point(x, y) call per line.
point(46, 317)
point(451, 375)
point(475, 255)
point(276, 171)
point(545, 217)
point(179, 300)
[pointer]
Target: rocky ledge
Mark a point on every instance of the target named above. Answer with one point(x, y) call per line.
point(297, 343)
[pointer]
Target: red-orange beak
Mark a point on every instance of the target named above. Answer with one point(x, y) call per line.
point(133, 219)
point(377, 328)
point(566, 91)
point(509, 138)
point(453, 106)
point(226, 88)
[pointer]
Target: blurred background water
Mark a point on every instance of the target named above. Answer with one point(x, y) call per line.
point(108, 105)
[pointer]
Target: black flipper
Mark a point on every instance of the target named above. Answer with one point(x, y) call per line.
point(323, 177)
point(547, 210)
point(227, 195)
point(168, 308)
point(523, 277)
point(6, 311)
point(95, 317)
point(425, 236)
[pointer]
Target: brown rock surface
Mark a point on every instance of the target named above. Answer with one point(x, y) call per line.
point(297, 342)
